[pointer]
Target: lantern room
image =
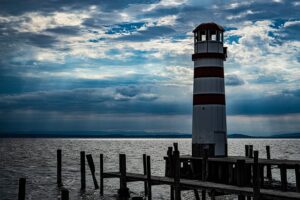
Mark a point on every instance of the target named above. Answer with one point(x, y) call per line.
point(208, 38)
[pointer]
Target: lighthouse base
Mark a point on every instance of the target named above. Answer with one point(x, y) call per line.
point(198, 150)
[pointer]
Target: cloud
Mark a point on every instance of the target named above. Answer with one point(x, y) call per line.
point(233, 80)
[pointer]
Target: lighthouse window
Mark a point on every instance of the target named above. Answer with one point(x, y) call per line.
point(203, 35)
point(196, 36)
point(213, 35)
point(221, 36)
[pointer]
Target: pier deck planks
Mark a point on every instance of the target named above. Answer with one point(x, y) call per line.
point(196, 184)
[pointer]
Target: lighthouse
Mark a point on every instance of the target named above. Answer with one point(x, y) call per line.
point(209, 107)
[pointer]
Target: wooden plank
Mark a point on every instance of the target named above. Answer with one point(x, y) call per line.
point(92, 169)
point(218, 187)
point(232, 159)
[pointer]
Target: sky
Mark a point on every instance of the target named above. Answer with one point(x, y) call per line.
point(106, 65)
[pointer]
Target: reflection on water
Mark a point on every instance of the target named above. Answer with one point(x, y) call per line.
point(35, 159)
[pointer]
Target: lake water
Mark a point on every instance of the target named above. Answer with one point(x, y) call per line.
point(35, 159)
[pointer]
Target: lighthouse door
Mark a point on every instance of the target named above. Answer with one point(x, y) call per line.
point(220, 146)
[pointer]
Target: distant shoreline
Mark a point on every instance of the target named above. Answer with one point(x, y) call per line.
point(138, 135)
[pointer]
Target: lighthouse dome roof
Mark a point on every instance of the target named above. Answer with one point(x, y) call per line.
point(209, 26)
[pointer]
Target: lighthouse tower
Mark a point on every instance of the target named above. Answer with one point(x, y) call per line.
point(209, 110)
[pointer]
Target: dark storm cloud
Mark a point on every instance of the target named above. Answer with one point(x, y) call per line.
point(233, 80)
point(286, 102)
point(108, 100)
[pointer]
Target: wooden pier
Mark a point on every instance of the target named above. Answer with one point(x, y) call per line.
point(245, 180)
point(204, 176)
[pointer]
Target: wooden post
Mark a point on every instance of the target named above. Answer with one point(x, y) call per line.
point(230, 174)
point(145, 172)
point(240, 169)
point(64, 194)
point(204, 165)
point(297, 175)
point(149, 190)
point(262, 175)
point(204, 168)
point(256, 184)
point(82, 169)
point(240, 172)
point(269, 169)
point(101, 175)
point(123, 191)
point(172, 192)
point(175, 144)
point(250, 151)
point(58, 156)
point(246, 151)
point(92, 168)
point(283, 177)
point(169, 168)
point(177, 173)
point(22, 188)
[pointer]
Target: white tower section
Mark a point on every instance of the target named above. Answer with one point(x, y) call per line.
point(209, 108)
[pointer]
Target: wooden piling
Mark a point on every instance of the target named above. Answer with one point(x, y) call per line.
point(204, 167)
point(101, 175)
point(123, 191)
point(92, 168)
point(22, 189)
point(82, 169)
point(145, 172)
point(246, 151)
point(149, 184)
point(240, 169)
point(262, 175)
point(283, 177)
point(177, 191)
point(64, 194)
point(250, 151)
point(256, 184)
point(297, 175)
point(169, 167)
point(240, 172)
point(58, 156)
point(269, 169)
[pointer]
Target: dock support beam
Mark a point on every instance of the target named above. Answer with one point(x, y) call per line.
point(123, 191)
point(82, 169)
point(64, 194)
point(145, 172)
point(58, 155)
point(149, 184)
point(269, 169)
point(22, 185)
point(177, 191)
point(92, 168)
point(101, 175)
point(297, 175)
point(256, 184)
point(283, 177)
